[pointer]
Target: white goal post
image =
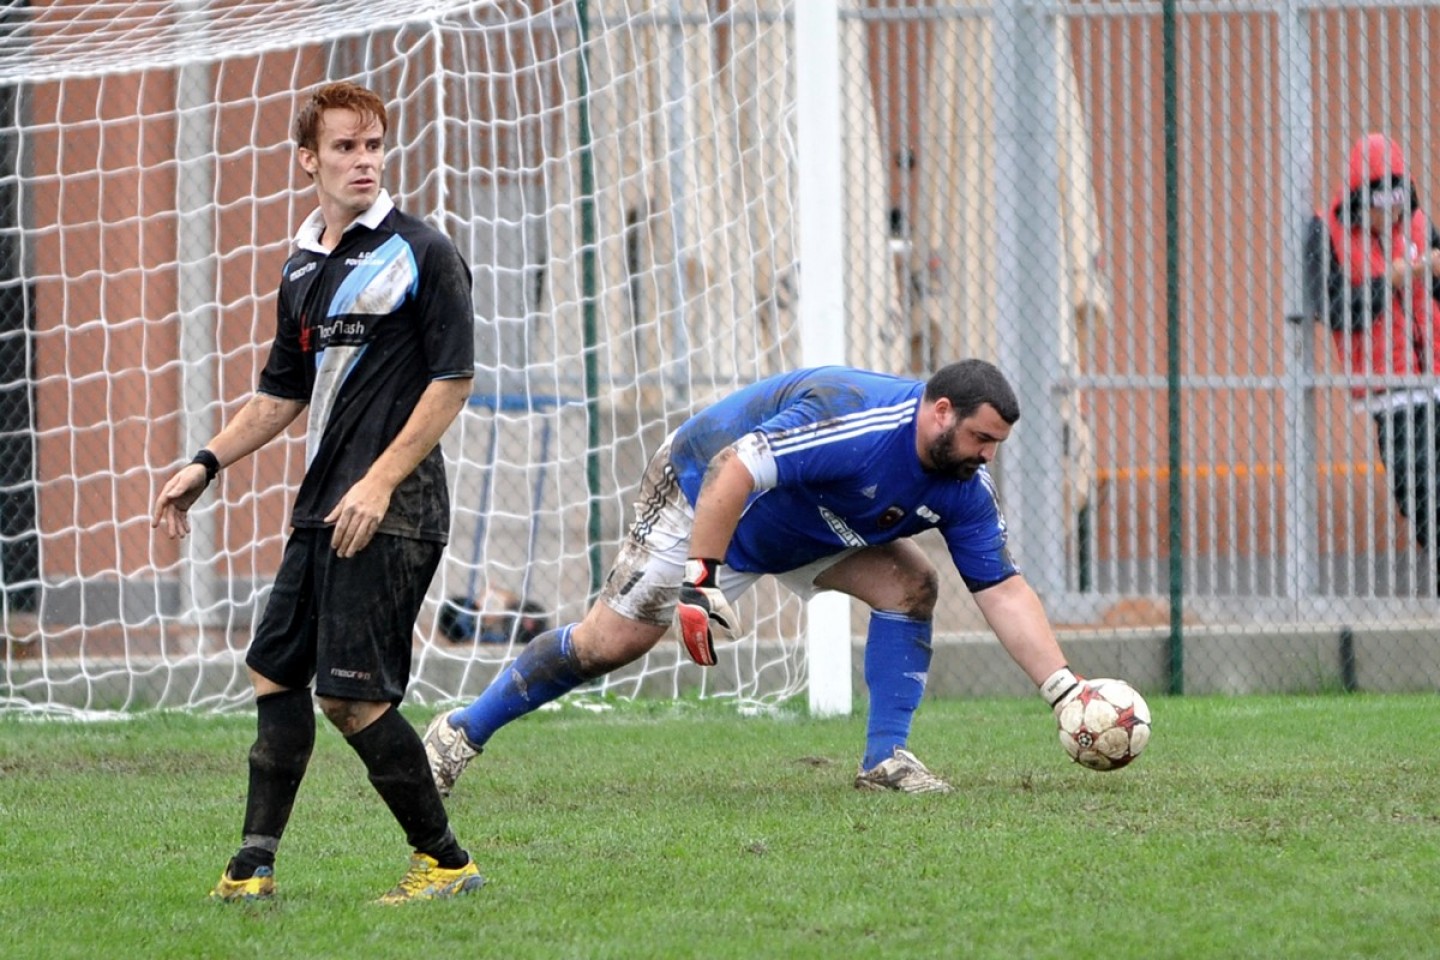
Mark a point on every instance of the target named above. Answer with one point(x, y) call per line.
point(625, 179)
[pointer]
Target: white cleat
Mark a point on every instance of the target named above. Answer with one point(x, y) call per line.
point(448, 750)
point(902, 772)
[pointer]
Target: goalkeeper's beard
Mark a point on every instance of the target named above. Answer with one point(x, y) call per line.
point(944, 462)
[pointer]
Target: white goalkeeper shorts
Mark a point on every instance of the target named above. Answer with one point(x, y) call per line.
point(644, 582)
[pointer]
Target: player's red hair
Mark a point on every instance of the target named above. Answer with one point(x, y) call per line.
point(343, 95)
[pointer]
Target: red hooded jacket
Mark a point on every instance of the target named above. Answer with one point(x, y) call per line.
point(1374, 333)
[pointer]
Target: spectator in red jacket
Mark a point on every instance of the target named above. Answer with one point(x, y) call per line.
point(1375, 275)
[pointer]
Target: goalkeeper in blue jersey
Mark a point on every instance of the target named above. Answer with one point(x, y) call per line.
point(819, 477)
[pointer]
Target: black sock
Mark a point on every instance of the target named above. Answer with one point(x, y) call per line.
point(395, 758)
point(244, 864)
point(284, 738)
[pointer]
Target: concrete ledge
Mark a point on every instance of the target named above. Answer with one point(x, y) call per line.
point(1400, 657)
point(1317, 658)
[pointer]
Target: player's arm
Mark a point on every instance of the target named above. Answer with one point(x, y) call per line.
point(358, 514)
point(447, 319)
point(1019, 622)
point(1432, 261)
point(703, 610)
point(261, 420)
point(1349, 307)
point(1018, 619)
point(727, 486)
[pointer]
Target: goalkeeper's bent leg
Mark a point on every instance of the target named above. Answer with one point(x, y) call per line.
point(548, 669)
point(897, 664)
point(284, 739)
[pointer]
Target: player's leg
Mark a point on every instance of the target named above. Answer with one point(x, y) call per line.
point(1430, 458)
point(1406, 438)
point(901, 586)
point(551, 665)
point(634, 611)
point(395, 761)
point(1426, 432)
point(281, 659)
point(362, 669)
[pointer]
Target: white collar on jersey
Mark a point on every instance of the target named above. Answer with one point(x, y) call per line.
point(308, 236)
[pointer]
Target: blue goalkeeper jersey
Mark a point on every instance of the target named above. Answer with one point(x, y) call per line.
point(847, 474)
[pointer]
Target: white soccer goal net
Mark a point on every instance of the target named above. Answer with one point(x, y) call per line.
point(621, 177)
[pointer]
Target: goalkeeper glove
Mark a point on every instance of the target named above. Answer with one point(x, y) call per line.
point(703, 611)
point(1060, 688)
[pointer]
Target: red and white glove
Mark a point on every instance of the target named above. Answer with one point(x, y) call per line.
point(703, 611)
point(1060, 688)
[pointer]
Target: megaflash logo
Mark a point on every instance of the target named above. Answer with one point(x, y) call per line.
point(341, 331)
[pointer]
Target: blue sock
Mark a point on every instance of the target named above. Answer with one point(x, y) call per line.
point(897, 663)
point(546, 671)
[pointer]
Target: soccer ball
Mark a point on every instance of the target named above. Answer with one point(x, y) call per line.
point(1106, 726)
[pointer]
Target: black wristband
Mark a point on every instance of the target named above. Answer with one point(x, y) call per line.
point(704, 575)
point(209, 461)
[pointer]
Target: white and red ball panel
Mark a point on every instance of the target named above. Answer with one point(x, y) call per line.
point(1106, 726)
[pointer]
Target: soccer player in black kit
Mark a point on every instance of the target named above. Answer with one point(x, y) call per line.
point(375, 339)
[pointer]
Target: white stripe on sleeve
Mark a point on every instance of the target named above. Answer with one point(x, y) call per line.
point(753, 449)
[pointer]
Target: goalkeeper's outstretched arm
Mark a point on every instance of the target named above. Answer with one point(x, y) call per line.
point(1020, 623)
point(261, 420)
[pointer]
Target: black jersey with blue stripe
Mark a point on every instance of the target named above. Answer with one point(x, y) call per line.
point(848, 474)
point(362, 331)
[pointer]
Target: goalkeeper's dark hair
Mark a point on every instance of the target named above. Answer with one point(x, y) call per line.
point(970, 384)
point(343, 95)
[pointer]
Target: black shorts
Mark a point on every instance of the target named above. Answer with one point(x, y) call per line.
point(348, 624)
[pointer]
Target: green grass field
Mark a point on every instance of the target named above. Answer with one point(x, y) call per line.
point(1253, 827)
